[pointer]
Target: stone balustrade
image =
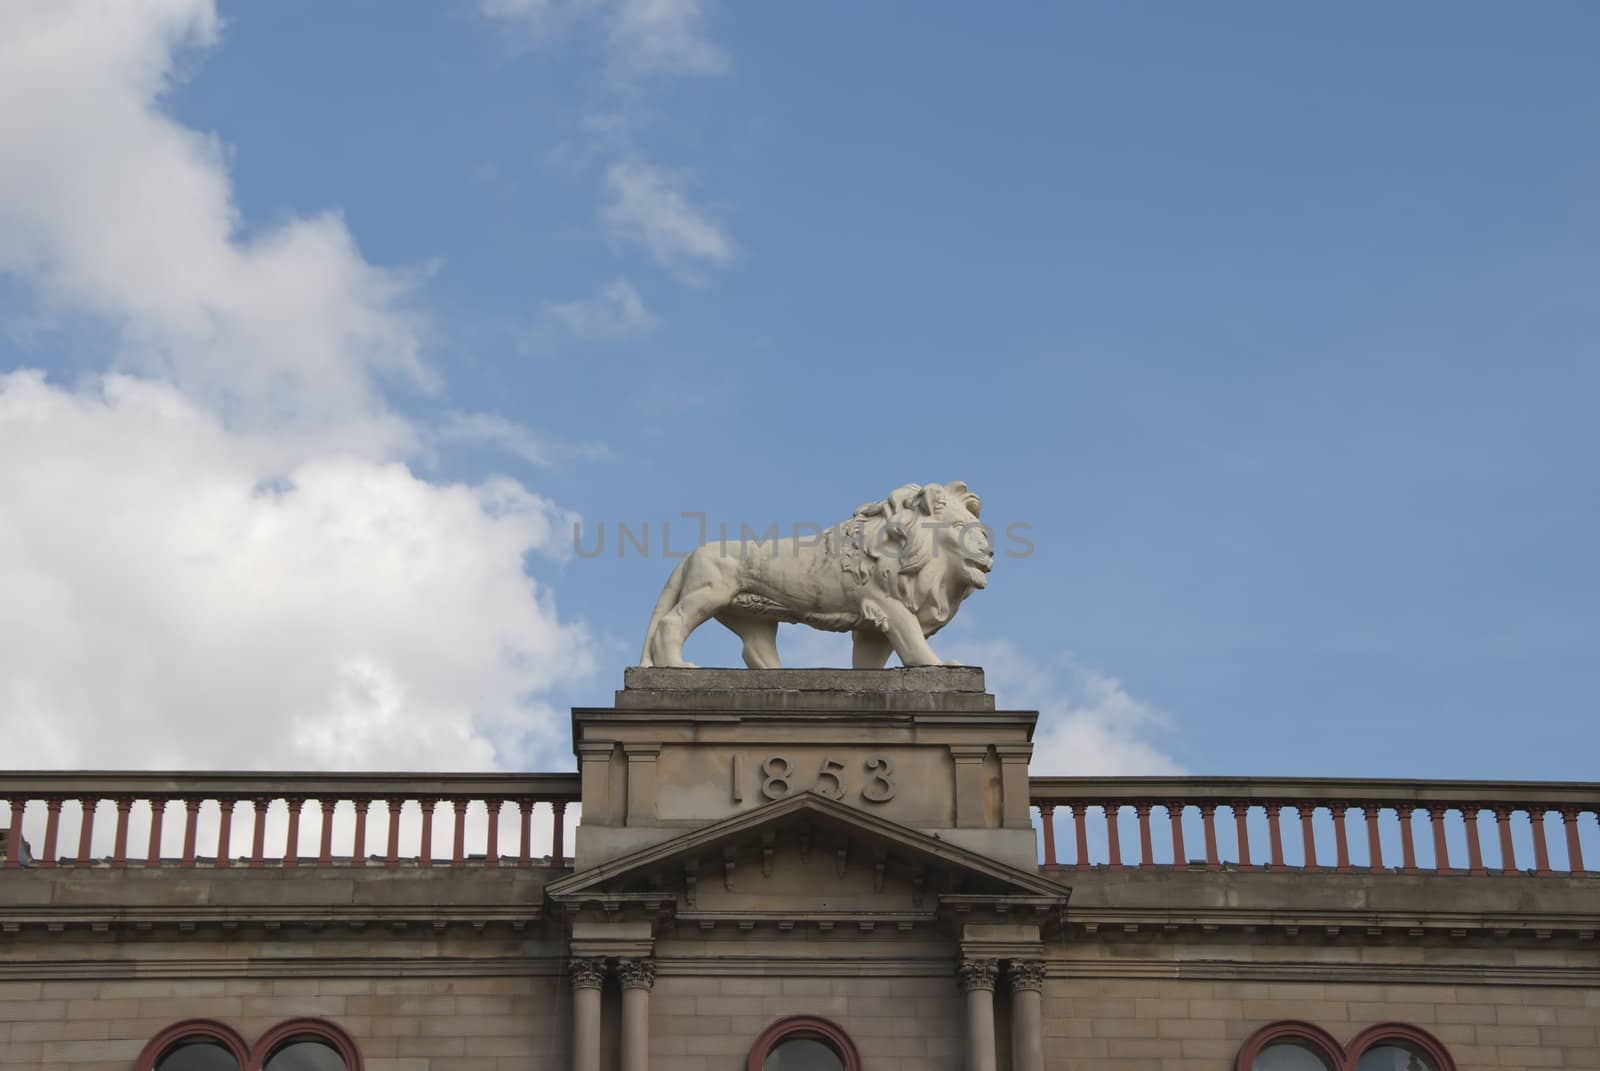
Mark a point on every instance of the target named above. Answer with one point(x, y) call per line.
point(385, 820)
point(1341, 825)
point(189, 820)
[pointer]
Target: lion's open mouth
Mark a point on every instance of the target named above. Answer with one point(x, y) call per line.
point(979, 573)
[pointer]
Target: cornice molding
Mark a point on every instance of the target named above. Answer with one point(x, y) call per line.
point(552, 966)
point(1331, 973)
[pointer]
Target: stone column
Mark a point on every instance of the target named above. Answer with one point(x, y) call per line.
point(977, 982)
point(1027, 1043)
point(586, 976)
point(638, 977)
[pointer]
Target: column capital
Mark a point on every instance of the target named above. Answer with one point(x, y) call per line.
point(637, 973)
point(1025, 974)
point(977, 974)
point(586, 973)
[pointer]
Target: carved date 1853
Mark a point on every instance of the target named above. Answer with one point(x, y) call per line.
point(778, 778)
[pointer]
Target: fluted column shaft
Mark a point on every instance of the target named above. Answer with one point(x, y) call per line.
point(638, 978)
point(1027, 1040)
point(977, 981)
point(587, 976)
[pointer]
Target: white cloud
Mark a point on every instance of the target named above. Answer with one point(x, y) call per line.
point(507, 436)
point(109, 206)
point(171, 601)
point(664, 37)
point(1089, 726)
point(616, 312)
point(643, 37)
point(224, 559)
point(647, 206)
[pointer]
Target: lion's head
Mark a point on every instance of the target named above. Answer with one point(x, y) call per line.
point(924, 545)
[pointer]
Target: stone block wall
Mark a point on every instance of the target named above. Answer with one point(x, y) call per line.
point(709, 1023)
point(1148, 1024)
point(898, 1024)
point(399, 1024)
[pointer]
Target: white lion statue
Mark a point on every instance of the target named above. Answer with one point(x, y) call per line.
point(892, 575)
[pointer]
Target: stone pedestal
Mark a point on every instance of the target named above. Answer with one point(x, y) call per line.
point(924, 748)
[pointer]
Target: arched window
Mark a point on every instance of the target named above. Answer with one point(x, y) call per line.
point(1296, 1046)
point(1291, 1055)
point(306, 1045)
point(1290, 1046)
point(803, 1043)
point(1398, 1047)
point(194, 1045)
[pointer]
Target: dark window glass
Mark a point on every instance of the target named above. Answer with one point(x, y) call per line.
point(305, 1054)
point(803, 1054)
point(1291, 1055)
point(1394, 1056)
point(197, 1054)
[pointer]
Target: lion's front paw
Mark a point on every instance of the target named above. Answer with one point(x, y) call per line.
point(952, 662)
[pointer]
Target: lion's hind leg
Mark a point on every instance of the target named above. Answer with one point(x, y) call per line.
point(708, 586)
point(760, 636)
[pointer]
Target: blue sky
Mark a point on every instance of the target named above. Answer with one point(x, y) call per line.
point(1276, 325)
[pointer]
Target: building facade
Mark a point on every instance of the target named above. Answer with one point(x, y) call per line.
point(795, 870)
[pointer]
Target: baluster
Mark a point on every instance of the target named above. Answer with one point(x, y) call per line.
point(258, 833)
point(191, 812)
point(1208, 819)
point(325, 856)
point(224, 833)
point(1469, 815)
point(1047, 819)
point(119, 839)
point(1541, 850)
point(391, 856)
point(1441, 850)
point(491, 854)
point(1508, 853)
point(358, 854)
point(1113, 835)
point(1341, 838)
point(1175, 816)
point(52, 828)
point(458, 857)
point(158, 814)
point(558, 836)
point(1569, 818)
point(1146, 854)
point(1241, 818)
point(1374, 841)
point(14, 836)
point(525, 821)
point(1308, 835)
point(1275, 834)
point(86, 831)
point(1080, 824)
point(1408, 848)
point(425, 856)
point(291, 839)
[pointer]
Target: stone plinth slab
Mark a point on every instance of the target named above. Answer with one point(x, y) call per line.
point(931, 688)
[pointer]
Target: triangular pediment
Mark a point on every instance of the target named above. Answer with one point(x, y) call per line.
point(808, 857)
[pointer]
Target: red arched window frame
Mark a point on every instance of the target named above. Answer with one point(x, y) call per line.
point(1290, 1030)
point(1403, 1033)
point(197, 1030)
point(803, 1025)
point(318, 1029)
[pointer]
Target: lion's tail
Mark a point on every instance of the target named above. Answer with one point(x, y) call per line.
point(669, 598)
